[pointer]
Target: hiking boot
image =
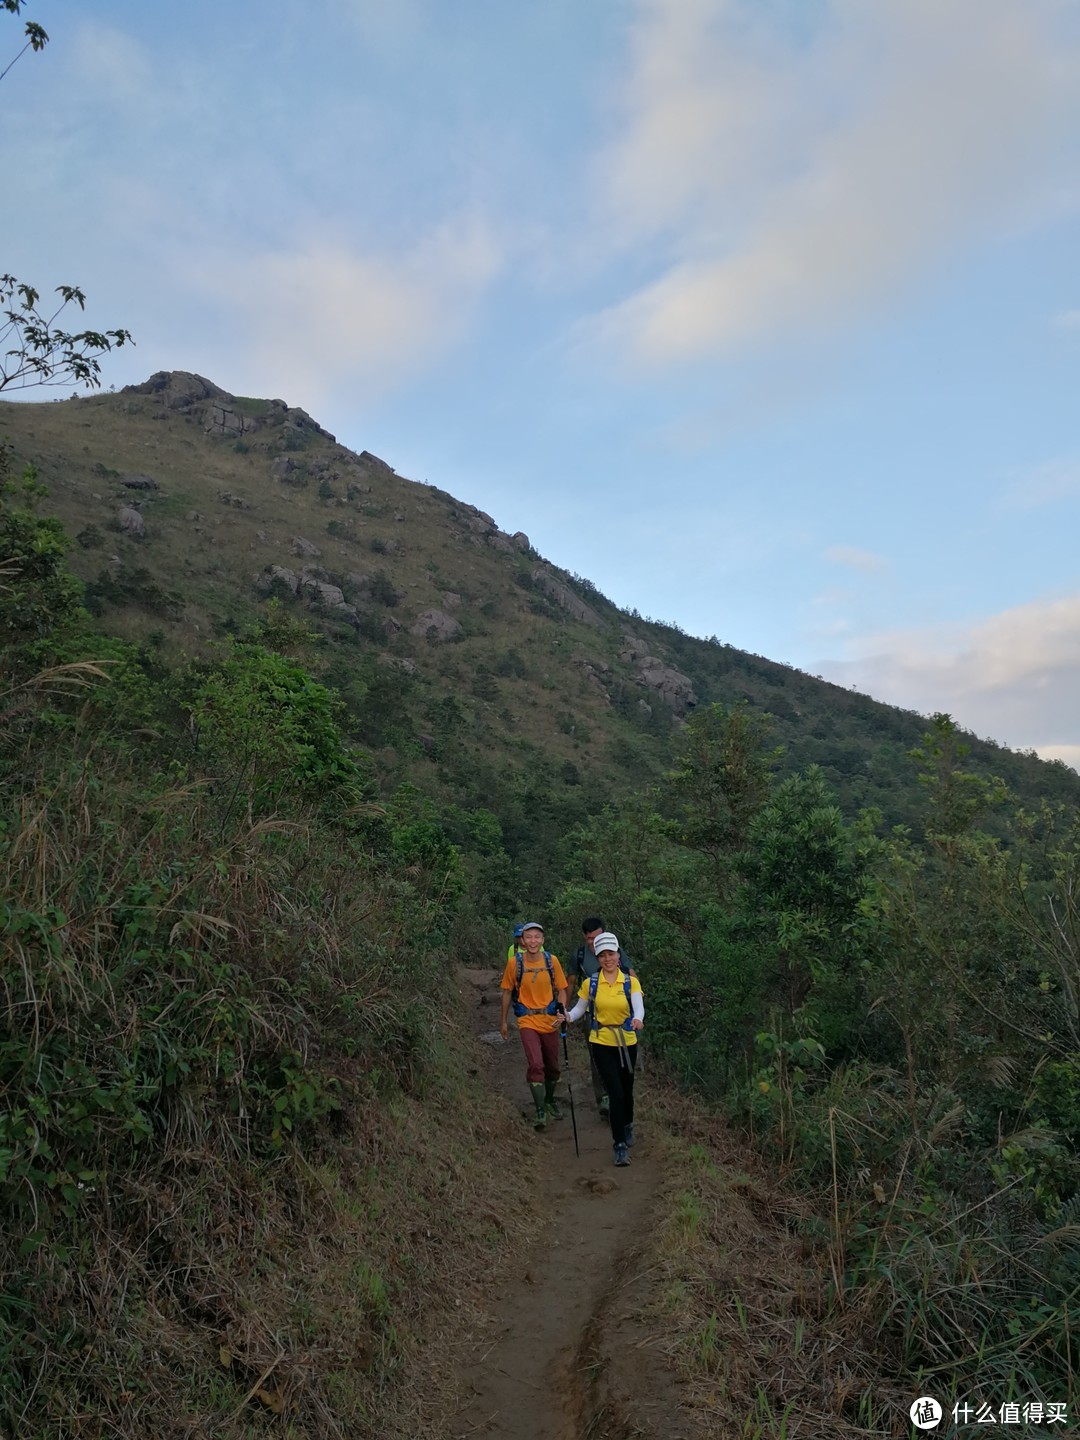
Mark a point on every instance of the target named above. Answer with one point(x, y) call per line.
point(551, 1105)
point(540, 1119)
point(605, 1106)
point(622, 1155)
point(628, 1134)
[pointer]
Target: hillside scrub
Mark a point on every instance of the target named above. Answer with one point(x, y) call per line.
point(524, 693)
point(227, 931)
point(225, 1038)
point(893, 1022)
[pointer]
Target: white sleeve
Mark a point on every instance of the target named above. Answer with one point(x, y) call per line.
point(637, 1005)
point(578, 1010)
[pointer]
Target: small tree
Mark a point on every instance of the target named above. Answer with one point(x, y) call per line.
point(34, 350)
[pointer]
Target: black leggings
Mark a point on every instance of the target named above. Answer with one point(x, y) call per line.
point(616, 1067)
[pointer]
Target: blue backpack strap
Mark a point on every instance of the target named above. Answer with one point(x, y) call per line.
point(553, 1008)
point(593, 983)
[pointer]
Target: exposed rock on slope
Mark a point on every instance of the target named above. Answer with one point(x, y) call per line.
point(131, 522)
point(670, 684)
point(436, 624)
point(564, 597)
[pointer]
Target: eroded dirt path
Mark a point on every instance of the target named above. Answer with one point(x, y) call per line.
point(563, 1357)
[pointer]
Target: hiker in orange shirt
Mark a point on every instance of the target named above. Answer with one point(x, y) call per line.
point(534, 984)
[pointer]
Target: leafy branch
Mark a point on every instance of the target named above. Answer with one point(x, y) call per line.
point(36, 38)
point(34, 350)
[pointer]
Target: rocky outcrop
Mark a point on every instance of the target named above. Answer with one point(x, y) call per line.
point(138, 482)
point(236, 501)
point(520, 541)
point(300, 546)
point(564, 597)
point(436, 624)
point(179, 389)
point(321, 591)
point(667, 682)
point(298, 426)
point(595, 671)
point(372, 462)
point(131, 522)
point(222, 421)
point(279, 572)
point(313, 586)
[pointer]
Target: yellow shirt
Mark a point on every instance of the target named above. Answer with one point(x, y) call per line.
point(535, 992)
point(612, 1008)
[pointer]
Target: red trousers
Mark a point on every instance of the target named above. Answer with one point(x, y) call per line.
point(541, 1054)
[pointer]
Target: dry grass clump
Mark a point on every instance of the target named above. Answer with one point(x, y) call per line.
point(741, 1295)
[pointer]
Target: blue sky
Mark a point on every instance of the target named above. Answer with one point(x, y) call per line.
point(762, 314)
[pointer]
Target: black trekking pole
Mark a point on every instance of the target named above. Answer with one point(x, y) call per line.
point(570, 1086)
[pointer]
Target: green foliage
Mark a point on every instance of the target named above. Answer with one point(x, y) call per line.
point(721, 781)
point(261, 723)
point(37, 594)
point(36, 351)
point(132, 585)
point(383, 590)
point(893, 1021)
point(216, 952)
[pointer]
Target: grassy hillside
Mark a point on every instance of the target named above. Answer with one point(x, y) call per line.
point(471, 665)
point(234, 880)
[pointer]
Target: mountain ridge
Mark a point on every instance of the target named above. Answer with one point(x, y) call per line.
point(192, 506)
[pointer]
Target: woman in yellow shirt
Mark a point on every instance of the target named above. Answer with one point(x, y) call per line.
point(615, 1005)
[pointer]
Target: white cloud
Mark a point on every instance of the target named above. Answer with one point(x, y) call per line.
point(853, 559)
point(1067, 320)
point(1014, 676)
point(113, 68)
point(798, 184)
point(1044, 485)
point(323, 319)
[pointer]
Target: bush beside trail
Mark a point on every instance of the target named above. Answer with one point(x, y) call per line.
point(243, 1166)
point(892, 1018)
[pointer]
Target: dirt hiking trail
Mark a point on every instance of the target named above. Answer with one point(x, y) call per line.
point(563, 1357)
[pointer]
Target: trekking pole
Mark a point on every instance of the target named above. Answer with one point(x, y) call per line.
point(570, 1088)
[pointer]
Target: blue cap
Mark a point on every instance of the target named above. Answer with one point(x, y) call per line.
point(517, 931)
